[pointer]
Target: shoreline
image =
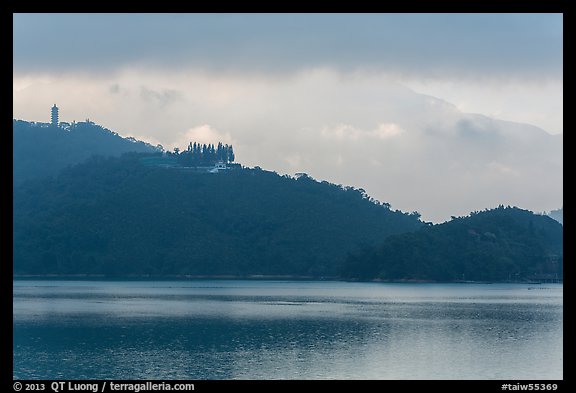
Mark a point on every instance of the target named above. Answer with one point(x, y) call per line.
point(252, 277)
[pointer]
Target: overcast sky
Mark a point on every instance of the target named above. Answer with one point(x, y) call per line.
point(436, 113)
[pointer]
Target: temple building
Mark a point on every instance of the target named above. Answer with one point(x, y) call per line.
point(54, 117)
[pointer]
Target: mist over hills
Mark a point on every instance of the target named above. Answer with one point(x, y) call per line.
point(399, 145)
point(558, 215)
point(41, 150)
point(84, 205)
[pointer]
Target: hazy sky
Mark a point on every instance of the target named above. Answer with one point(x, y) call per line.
point(420, 110)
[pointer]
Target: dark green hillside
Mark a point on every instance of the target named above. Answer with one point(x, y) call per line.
point(116, 216)
point(42, 150)
point(495, 245)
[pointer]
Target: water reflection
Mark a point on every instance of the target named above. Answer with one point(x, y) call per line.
point(299, 330)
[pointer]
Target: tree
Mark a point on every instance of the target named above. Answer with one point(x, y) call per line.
point(231, 154)
point(219, 152)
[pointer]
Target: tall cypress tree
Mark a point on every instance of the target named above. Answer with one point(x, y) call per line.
point(231, 154)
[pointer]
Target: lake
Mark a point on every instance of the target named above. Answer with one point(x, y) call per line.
point(234, 329)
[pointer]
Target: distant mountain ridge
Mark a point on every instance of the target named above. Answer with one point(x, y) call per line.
point(558, 215)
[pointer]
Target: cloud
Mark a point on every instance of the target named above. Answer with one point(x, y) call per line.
point(427, 45)
point(204, 134)
point(348, 132)
point(341, 132)
point(160, 98)
point(503, 169)
point(387, 130)
point(415, 151)
point(115, 88)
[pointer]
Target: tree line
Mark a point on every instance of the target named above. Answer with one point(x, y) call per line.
point(204, 154)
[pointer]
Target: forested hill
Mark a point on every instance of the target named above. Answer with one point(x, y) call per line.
point(82, 205)
point(41, 150)
point(116, 216)
point(503, 244)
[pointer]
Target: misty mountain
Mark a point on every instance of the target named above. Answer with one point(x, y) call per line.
point(415, 151)
point(41, 150)
point(122, 216)
point(558, 215)
point(494, 245)
point(128, 216)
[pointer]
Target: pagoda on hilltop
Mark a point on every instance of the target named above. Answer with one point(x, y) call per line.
point(54, 116)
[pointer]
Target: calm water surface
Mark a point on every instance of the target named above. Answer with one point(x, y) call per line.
point(286, 330)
